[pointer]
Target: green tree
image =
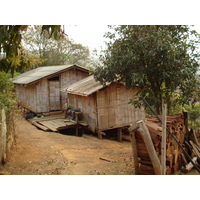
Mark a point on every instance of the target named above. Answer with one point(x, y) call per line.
point(160, 60)
point(13, 56)
point(55, 52)
point(194, 115)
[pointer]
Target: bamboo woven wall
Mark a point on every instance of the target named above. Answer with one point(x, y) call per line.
point(107, 108)
point(27, 96)
point(113, 108)
point(67, 78)
point(42, 96)
point(87, 105)
point(36, 96)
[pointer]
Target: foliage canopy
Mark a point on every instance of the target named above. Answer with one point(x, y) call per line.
point(160, 60)
point(15, 58)
point(54, 52)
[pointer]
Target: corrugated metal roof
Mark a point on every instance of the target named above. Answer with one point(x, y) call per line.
point(41, 72)
point(85, 87)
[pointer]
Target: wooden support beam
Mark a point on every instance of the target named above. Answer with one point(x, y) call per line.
point(76, 119)
point(134, 151)
point(150, 147)
point(119, 134)
point(100, 133)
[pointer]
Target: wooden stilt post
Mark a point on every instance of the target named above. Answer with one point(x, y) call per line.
point(134, 151)
point(163, 149)
point(99, 135)
point(119, 134)
point(76, 119)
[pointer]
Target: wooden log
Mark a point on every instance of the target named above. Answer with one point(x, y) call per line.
point(168, 170)
point(169, 160)
point(126, 138)
point(119, 134)
point(175, 168)
point(134, 152)
point(184, 158)
point(193, 138)
point(146, 170)
point(175, 155)
point(146, 162)
point(195, 150)
point(189, 166)
point(150, 148)
point(100, 133)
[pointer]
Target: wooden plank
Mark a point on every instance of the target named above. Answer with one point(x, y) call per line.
point(195, 150)
point(150, 148)
point(189, 166)
point(44, 128)
point(49, 125)
point(146, 170)
point(134, 152)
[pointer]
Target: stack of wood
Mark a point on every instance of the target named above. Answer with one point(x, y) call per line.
point(193, 148)
point(174, 155)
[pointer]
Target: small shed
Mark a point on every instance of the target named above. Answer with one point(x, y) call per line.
point(40, 90)
point(104, 107)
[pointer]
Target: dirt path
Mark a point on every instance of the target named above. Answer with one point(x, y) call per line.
point(39, 152)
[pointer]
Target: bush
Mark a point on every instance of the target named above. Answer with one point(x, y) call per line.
point(8, 101)
point(194, 116)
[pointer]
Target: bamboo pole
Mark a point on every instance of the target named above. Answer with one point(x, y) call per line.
point(163, 146)
point(150, 147)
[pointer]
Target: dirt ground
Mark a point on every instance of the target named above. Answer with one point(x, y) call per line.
point(48, 153)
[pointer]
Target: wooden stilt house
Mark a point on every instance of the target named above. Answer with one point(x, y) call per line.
point(103, 107)
point(40, 90)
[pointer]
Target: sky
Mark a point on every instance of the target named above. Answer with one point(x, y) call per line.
point(92, 35)
point(88, 35)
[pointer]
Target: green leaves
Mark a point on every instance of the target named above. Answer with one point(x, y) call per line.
point(14, 56)
point(158, 59)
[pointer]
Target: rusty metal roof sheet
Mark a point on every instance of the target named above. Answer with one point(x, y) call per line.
point(41, 72)
point(85, 87)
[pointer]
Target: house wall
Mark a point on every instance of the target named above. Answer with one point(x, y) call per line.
point(68, 78)
point(108, 108)
point(36, 97)
point(27, 96)
point(42, 96)
point(87, 106)
point(113, 108)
